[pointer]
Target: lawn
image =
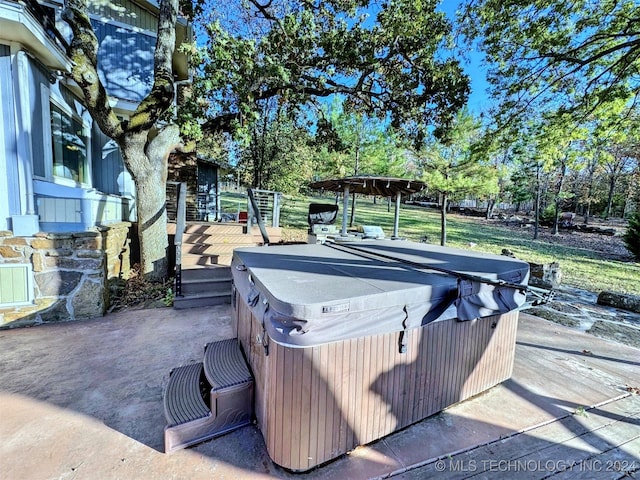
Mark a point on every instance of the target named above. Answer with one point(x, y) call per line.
point(585, 268)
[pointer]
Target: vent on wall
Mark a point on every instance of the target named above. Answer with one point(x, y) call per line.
point(16, 286)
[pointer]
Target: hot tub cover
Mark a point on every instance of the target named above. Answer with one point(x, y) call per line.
point(313, 294)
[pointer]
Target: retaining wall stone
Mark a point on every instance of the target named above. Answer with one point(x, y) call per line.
point(70, 272)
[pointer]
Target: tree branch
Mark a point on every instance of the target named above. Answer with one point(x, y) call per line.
point(83, 51)
point(160, 99)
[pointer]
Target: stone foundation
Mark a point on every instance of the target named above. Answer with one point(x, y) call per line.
point(70, 273)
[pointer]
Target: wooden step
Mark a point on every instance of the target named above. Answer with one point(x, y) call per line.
point(194, 286)
point(207, 272)
point(214, 229)
point(197, 410)
point(201, 300)
point(204, 285)
point(215, 249)
point(189, 260)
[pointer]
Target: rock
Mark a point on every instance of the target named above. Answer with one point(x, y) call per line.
point(567, 218)
point(57, 283)
point(620, 333)
point(554, 316)
point(619, 300)
point(546, 275)
point(89, 301)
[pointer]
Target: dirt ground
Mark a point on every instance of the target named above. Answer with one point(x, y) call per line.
point(611, 247)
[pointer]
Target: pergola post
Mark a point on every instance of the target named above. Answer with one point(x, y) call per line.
point(396, 218)
point(345, 210)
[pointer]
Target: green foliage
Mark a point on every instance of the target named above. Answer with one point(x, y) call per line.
point(632, 236)
point(549, 54)
point(359, 145)
point(278, 156)
point(548, 215)
point(452, 169)
point(300, 51)
point(169, 297)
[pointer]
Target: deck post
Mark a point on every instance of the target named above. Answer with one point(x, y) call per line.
point(181, 214)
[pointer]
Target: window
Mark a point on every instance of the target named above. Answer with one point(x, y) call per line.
point(16, 286)
point(69, 141)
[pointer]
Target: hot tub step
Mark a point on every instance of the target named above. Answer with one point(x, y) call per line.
point(206, 400)
point(231, 383)
point(188, 416)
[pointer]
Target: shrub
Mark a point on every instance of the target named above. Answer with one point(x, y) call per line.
point(548, 215)
point(632, 236)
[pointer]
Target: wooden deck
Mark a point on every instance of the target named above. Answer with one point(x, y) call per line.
point(571, 410)
point(598, 442)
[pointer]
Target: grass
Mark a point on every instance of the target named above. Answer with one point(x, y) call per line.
point(581, 268)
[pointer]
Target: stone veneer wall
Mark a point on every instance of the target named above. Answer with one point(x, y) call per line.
point(70, 272)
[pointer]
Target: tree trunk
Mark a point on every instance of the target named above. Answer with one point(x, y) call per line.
point(443, 221)
point(612, 186)
point(556, 198)
point(536, 223)
point(144, 153)
point(149, 171)
point(587, 212)
point(491, 203)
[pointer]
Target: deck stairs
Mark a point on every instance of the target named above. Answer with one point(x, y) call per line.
point(207, 249)
point(210, 398)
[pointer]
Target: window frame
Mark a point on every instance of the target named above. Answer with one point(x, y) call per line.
point(48, 98)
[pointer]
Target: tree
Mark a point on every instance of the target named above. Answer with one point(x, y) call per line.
point(299, 51)
point(145, 145)
point(632, 236)
point(452, 170)
point(366, 145)
point(278, 156)
point(616, 164)
point(558, 150)
point(293, 51)
point(547, 54)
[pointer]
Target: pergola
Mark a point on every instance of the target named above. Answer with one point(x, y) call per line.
point(370, 185)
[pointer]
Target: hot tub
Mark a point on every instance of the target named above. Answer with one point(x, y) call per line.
point(349, 343)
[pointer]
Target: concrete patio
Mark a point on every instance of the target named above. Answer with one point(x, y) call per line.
point(84, 400)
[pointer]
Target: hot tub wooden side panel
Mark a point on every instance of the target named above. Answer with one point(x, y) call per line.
point(314, 404)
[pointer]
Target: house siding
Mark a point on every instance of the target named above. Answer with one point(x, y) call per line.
point(107, 162)
point(126, 60)
point(125, 12)
point(37, 77)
